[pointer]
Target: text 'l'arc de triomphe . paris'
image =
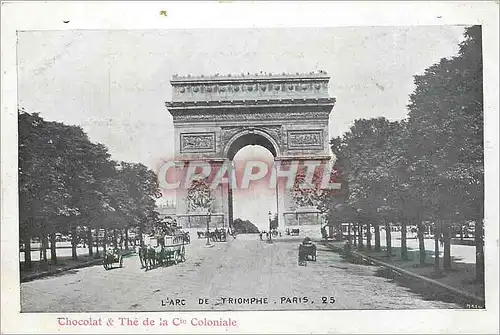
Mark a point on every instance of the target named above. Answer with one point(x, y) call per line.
point(215, 116)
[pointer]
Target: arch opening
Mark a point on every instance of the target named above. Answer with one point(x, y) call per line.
point(254, 203)
point(251, 137)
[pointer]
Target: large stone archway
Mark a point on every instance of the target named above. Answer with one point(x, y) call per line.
point(251, 136)
point(214, 117)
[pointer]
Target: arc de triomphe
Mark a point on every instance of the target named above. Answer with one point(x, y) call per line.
point(215, 116)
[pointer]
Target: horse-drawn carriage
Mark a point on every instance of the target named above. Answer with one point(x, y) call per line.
point(218, 235)
point(171, 251)
point(186, 237)
point(111, 257)
point(307, 251)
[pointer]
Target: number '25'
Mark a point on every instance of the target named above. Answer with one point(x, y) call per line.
point(328, 300)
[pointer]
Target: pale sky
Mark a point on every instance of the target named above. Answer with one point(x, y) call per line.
point(115, 83)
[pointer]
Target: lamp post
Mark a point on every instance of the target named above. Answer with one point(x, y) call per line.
point(270, 225)
point(360, 227)
point(208, 228)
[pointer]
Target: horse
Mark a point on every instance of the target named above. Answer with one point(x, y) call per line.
point(151, 257)
point(159, 255)
point(218, 235)
point(215, 235)
point(143, 256)
point(324, 234)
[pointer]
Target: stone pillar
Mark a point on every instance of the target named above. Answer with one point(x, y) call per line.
point(228, 210)
point(181, 195)
point(220, 195)
point(284, 202)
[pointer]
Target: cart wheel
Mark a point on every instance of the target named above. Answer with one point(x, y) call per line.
point(183, 254)
point(176, 257)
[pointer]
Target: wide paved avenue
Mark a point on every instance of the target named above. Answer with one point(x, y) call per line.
point(242, 268)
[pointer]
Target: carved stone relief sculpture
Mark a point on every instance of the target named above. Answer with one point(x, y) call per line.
point(305, 139)
point(199, 197)
point(202, 142)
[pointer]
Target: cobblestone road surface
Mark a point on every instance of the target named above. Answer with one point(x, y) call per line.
point(242, 268)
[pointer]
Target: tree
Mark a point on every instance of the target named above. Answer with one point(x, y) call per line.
point(43, 196)
point(69, 184)
point(142, 189)
point(367, 168)
point(336, 203)
point(84, 166)
point(244, 227)
point(446, 128)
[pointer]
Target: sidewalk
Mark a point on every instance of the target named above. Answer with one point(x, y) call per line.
point(460, 279)
point(64, 264)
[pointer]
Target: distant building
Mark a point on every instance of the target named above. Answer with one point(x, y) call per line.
point(166, 209)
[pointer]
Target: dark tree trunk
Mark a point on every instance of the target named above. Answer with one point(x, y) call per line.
point(53, 249)
point(360, 235)
point(368, 236)
point(437, 232)
point(89, 241)
point(27, 252)
point(141, 240)
point(349, 234)
point(478, 239)
point(353, 234)
point(44, 245)
point(122, 239)
point(388, 238)
point(74, 242)
point(97, 242)
point(115, 239)
point(126, 238)
point(404, 248)
point(105, 241)
point(447, 247)
point(377, 236)
point(421, 241)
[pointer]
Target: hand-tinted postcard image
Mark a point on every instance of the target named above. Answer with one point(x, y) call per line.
point(252, 169)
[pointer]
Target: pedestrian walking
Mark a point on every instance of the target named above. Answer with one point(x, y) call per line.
point(324, 235)
point(347, 249)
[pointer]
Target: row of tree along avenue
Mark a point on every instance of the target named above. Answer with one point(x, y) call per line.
point(70, 186)
point(426, 171)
